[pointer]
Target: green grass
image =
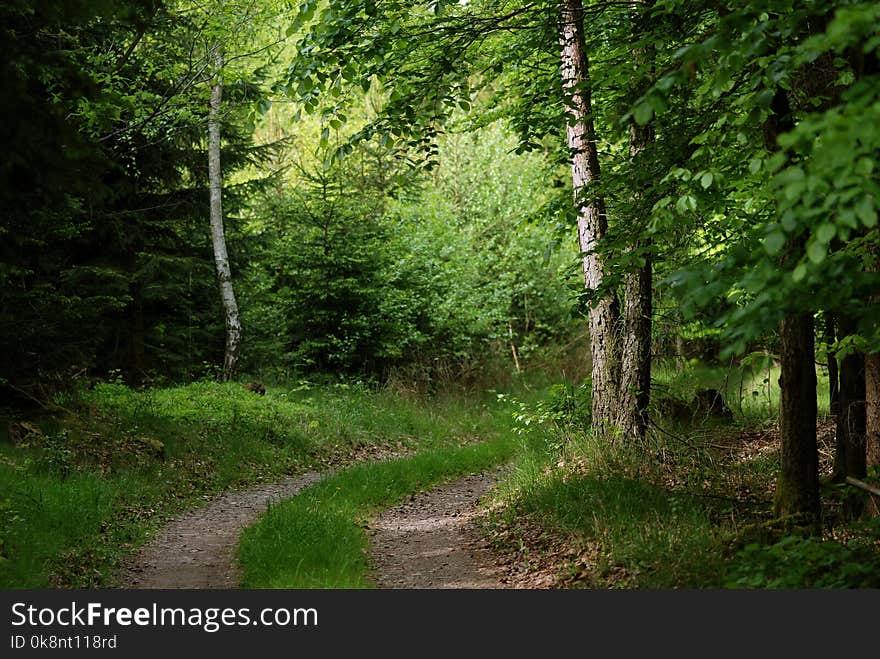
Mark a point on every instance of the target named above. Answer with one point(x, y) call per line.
point(88, 487)
point(316, 540)
point(653, 537)
point(681, 511)
point(751, 391)
point(659, 516)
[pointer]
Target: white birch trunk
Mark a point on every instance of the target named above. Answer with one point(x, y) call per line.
point(218, 239)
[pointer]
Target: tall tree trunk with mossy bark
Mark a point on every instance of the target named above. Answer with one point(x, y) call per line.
point(872, 423)
point(797, 488)
point(592, 222)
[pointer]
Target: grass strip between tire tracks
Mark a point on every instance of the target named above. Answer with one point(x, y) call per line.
point(318, 539)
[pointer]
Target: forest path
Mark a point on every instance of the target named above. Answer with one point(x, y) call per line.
point(429, 541)
point(197, 549)
point(426, 542)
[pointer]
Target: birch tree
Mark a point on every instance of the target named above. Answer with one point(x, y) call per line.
point(218, 238)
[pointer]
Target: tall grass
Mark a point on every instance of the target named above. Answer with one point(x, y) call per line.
point(604, 497)
point(751, 390)
point(658, 515)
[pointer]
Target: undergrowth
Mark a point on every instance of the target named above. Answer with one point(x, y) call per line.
point(676, 512)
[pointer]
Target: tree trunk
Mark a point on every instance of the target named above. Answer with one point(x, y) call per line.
point(137, 356)
point(635, 370)
point(797, 489)
point(221, 257)
point(872, 421)
point(851, 420)
point(592, 221)
point(635, 375)
point(830, 336)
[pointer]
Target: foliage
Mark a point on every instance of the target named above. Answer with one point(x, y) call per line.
point(563, 411)
point(614, 522)
point(363, 267)
point(776, 165)
point(809, 562)
point(105, 262)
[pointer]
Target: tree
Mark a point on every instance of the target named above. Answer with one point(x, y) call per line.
point(429, 59)
point(635, 372)
point(872, 431)
point(218, 239)
point(592, 221)
point(782, 88)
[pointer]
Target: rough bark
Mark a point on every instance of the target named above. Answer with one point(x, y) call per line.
point(635, 376)
point(830, 336)
point(851, 421)
point(872, 421)
point(635, 368)
point(218, 239)
point(592, 222)
point(797, 489)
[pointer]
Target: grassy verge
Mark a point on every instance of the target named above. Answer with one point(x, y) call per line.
point(316, 540)
point(665, 515)
point(692, 508)
point(604, 521)
point(81, 489)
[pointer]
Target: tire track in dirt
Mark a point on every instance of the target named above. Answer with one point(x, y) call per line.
point(430, 542)
point(197, 549)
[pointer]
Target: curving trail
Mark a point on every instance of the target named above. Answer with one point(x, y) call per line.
point(197, 548)
point(428, 541)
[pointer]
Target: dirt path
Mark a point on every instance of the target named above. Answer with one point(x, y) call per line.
point(429, 542)
point(197, 549)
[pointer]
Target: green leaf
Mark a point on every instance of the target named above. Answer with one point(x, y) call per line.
point(864, 166)
point(658, 103)
point(774, 242)
point(816, 252)
point(825, 233)
point(866, 212)
point(686, 203)
point(789, 221)
point(643, 113)
point(706, 180)
point(799, 273)
point(790, 175)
